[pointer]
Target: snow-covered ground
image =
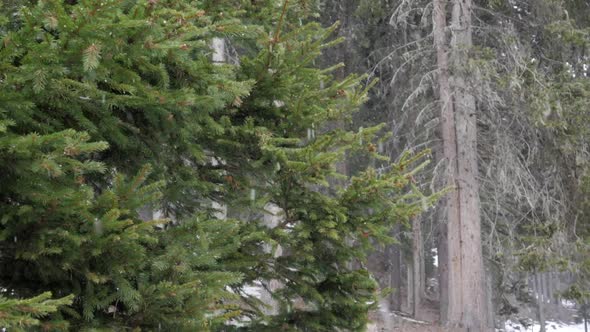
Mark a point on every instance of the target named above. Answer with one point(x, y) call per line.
point(511, 326)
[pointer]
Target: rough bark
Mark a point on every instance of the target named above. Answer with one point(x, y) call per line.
point(449, 151)
point(466, 296)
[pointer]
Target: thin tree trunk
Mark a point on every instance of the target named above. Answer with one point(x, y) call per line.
point(541, 286)
point(585, 314)
point(395, 273)
point(418, 263)
point(489, 304)
point(422, 272)
point(556, 288)
point(550, 288)
point(546, 290)
point(410, 286)
point(584, 310)
point(467, 303)
point(540, 301)
point(443, 269)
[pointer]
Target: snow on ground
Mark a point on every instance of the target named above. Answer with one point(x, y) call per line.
point(511, 326)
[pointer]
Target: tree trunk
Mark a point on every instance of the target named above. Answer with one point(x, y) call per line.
point(417, 266)
point(443, 269)
point(488, 296)
point(540, 300)
point(395, 273)
point(410, 286)
point(585, 315)
point(550, 291)
point(556, 289)
point(584, 310)
point(466, 295)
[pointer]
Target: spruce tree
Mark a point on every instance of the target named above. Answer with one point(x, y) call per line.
point(75, 76)
point(324, 232)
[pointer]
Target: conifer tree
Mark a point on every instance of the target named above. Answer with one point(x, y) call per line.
point(324, 232)
point(80, 71)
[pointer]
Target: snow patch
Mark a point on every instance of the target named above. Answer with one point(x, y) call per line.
point(512, 326)
point(435, 256)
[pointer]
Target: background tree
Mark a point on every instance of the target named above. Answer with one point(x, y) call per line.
point(519, 54)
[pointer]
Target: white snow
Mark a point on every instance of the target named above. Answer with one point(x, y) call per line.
point(511, 326)
point(435, 256)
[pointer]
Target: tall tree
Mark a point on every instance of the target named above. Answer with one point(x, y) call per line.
point(467, 304)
